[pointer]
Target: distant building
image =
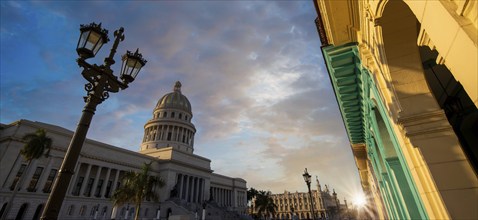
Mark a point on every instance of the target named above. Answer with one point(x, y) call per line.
point(168, 142)
point(297, 205)
point(405, 75)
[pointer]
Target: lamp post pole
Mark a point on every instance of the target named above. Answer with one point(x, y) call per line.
point(204, 205)
point(101, 82)
point(292, 211)
point(307, 181)
point(158, 213)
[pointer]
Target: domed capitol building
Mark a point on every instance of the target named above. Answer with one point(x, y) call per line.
point(168, 142)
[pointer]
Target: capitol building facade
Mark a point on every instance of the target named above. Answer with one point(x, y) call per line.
point(168, 143)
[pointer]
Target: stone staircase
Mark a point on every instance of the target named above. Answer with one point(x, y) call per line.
point(179, 209)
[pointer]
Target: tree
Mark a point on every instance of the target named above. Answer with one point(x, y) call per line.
point(251, 193)
point(36, 145)
point(137, 186)
point(265, 204)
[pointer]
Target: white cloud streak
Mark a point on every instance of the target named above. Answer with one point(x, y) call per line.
point(262, 101)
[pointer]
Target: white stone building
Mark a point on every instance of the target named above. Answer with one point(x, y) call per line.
point(168, 142)
point(297, 205)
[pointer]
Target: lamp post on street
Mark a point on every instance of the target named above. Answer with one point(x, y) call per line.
point(292, 213)
point(307, 176)
point(101, 82)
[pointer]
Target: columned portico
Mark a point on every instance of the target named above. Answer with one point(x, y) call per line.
point(405, 75)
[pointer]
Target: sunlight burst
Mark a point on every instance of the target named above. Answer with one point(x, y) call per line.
point(359, 200)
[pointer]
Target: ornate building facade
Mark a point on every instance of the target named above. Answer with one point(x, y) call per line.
point(168, 142)
point(405, 75)
point(297, 205)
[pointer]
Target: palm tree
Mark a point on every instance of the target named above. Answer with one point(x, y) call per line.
point(251, 193)
point(137, 186)
point(37, 144)
point(265, 204)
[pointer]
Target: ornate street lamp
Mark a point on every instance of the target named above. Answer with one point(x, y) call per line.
point(307, 181)
point(91, 39)
point(101, 81)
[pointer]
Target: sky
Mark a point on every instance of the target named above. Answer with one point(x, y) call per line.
point(261, 98)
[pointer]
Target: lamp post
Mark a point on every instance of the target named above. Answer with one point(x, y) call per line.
point(307, 181)
point(158, 213)
point(96, 211)
point(292, 211)
point(101, 81)
point(204, 205)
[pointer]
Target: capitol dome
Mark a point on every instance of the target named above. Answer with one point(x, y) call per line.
point(175, 100)
point(171, 124)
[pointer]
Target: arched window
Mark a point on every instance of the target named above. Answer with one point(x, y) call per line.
point(3, 208)
point(38, 212)
point(21, 212)
point(103, 211)
point(71, 210)
point(82, 210)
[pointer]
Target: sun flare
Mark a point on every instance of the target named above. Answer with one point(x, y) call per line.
point(359, 200)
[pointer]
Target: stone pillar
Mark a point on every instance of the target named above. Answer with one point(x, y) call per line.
point(28, 175)
point(193, 189)
point(201, 190)
point(113, 185)
point(95, 182)
point(167, 132)
point(180, 190)
point(187, 188)
point(85, 180)
point(190, 190)
point(75, 178)
point(105, 183)
point(44, 177)
point(196, 189)
point(454, 177)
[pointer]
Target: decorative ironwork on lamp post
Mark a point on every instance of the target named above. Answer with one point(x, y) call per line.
point(101, 82)
point(307, 176)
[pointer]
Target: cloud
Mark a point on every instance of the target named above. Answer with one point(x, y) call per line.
point(252, 71)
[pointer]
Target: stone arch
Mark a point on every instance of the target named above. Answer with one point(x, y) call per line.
point(448, 27)
point(38, 212)
point(399, 33)
point(4, 206)
point(403, 26)
point(380, 8)
point(21, 212)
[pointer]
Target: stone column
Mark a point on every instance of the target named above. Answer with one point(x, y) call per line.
point(95, 182)
point(180, 185)
point(186, 193)
point(44, 177)
point(167, 132)
point(105, 183)
point(196, 189)
point(113, 185)
point(85, 180)
point(28, 175)
point(201, 190)
point(75, 177)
